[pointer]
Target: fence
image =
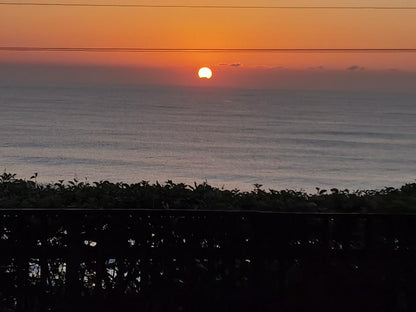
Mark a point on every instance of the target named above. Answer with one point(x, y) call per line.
point(153, 260)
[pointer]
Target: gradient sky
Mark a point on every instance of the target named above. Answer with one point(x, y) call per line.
point(212, 28)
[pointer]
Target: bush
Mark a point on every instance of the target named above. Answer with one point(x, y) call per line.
point(21, 193)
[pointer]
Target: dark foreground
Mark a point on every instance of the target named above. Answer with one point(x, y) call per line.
point(183, 260)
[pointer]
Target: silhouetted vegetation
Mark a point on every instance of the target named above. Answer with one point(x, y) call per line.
point(21, 193)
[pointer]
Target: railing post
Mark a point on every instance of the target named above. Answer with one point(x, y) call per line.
point(21, 262)
point(73, 283)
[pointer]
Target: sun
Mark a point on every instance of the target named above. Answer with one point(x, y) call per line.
point(205, 73)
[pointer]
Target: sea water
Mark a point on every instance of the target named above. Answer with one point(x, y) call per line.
point(228, 137)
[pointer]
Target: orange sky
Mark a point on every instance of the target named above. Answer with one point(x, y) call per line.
point(211, 28)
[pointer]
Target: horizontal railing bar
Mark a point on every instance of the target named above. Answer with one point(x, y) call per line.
point(195, 212)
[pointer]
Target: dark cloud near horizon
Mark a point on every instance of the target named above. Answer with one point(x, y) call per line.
point(231, 65)
point(319, 67)
point(355, 68)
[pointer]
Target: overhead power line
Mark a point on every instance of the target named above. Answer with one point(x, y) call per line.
point(186, 6)
point(205, 50)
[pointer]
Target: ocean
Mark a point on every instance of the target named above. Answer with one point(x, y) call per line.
point(231, 138)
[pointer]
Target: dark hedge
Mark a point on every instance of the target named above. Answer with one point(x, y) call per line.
point(22, 193)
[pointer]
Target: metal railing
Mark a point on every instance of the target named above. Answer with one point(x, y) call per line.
point(192, 260)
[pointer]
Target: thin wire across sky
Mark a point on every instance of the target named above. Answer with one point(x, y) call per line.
point(186, 6)
point(203, 50)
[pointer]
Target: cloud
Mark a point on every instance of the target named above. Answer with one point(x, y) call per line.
point(232, 65)
point(277, 67)
point(355, 68)
point(320, 67)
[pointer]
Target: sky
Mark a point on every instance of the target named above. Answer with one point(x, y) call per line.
point(64, 26)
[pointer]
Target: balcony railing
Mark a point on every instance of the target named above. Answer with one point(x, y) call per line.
point(165, 260)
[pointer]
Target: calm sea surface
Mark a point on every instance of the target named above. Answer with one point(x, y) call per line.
point(231, 138)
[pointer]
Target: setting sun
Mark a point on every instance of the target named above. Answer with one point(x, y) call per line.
point(205, 72)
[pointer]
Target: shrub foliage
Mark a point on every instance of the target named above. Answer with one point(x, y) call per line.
point(22, 193)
